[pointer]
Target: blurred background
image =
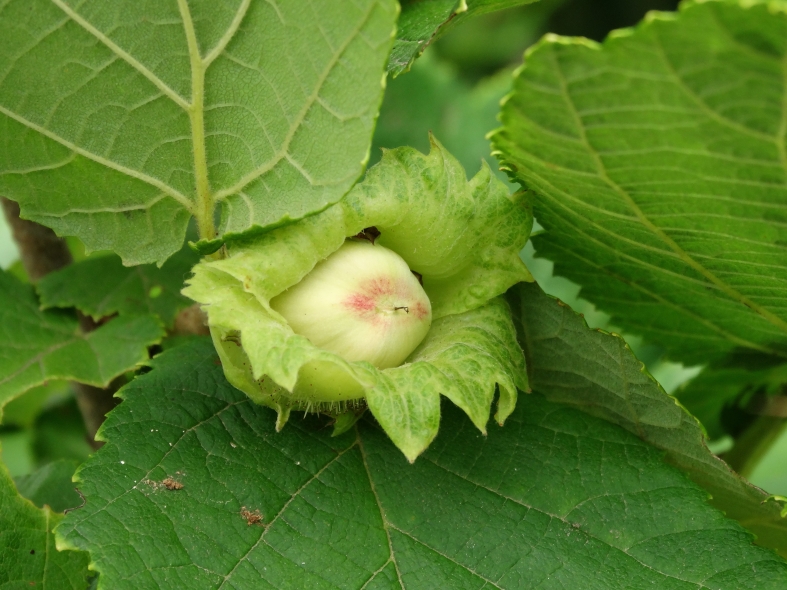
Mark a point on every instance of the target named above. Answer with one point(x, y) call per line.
point(454, 91)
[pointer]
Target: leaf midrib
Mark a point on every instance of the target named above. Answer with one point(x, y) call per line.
point(202, 207)
point(387, 524)
point(383, 519)
point(567, 522)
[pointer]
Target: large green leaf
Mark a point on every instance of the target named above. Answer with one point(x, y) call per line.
point(37, 346)
point(121, 120)
point(424, 21)
point(143, 289)
point(556, 499)
point(597, 373)
point(659, 160)
point(28, 557)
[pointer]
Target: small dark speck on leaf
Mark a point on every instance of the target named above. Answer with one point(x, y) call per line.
point(32, 552)
point(251, 517)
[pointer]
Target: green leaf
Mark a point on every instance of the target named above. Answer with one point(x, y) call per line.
point(125, 290)
point(60, 433)
point(27, 546)
point(597, 373)
point(122, 121)
point(462, 237)
point(40, 345)
point(51, 485)
point(433, 97)
point(424, 21)
point(16, 451)
point(730, 384)
point(555, 499)
point(24, 409)
point(659, 163)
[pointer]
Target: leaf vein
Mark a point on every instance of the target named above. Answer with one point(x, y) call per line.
point(125, 56)
point(165, 188)
point(674, 246)
point(283, 151)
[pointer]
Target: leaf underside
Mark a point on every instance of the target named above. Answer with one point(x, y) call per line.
point(597, 373)
point(37, 346)
point(556, 499)
point(659, 163)
point(121, 121)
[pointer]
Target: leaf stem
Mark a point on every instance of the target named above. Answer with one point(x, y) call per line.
point(203, 208)
point(754, 443)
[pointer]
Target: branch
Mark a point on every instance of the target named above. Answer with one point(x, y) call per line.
point(191, 320)
point(41, 250)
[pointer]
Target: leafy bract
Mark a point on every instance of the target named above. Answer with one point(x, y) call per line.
point(597, 373)
point(556, 499)
point(28, 557)
point(122, 120)
point(462, 357)
point(125, 290)
point(462, 237)
point(37, 346)
point(423, 22)
point(659, 161)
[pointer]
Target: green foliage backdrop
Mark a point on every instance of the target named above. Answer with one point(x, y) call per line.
point(655, 163)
